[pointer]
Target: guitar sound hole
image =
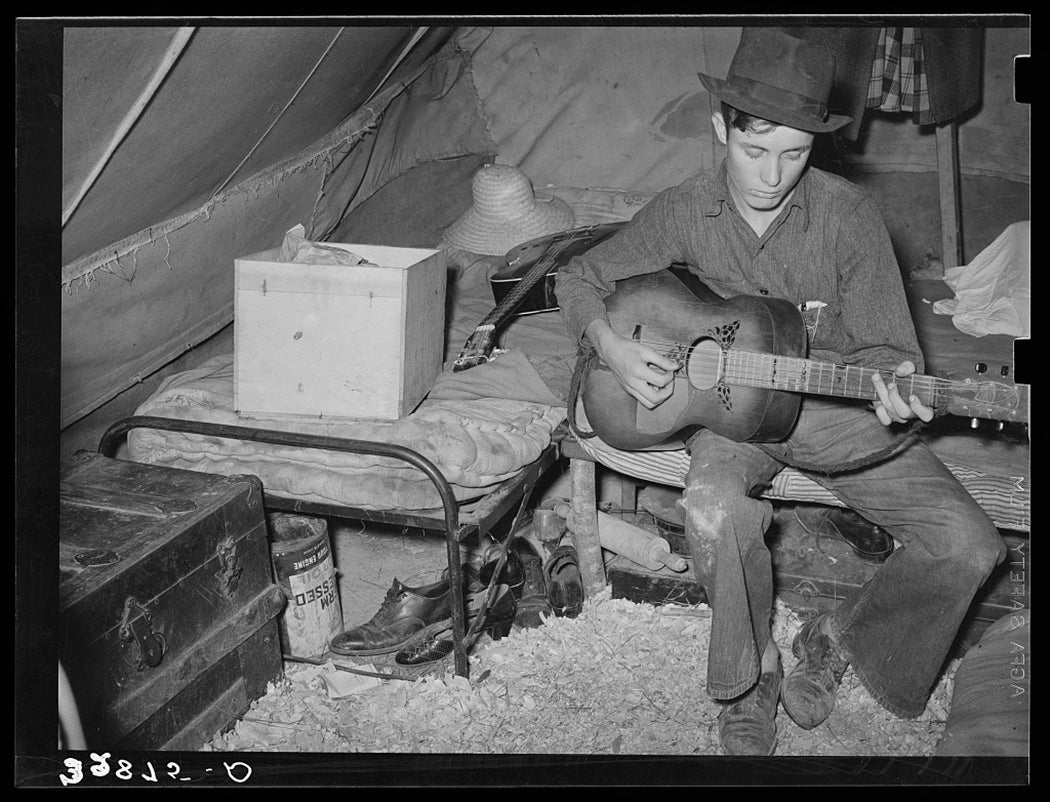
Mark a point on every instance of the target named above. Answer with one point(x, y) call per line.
point(704, 365)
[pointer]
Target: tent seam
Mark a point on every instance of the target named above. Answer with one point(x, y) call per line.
point(468, 58)
point(359, 124)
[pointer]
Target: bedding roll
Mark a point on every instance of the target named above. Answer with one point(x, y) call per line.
point(990, 700)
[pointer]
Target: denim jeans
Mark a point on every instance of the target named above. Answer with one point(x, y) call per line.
point(897, 629)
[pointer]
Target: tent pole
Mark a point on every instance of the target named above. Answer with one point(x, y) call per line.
point(948, 185)
point(178, 44)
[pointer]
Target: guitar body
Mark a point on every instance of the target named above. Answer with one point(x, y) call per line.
point(522, 259)
point(540, 298)
point(697, 332)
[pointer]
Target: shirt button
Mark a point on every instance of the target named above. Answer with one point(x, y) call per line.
point(763, 291)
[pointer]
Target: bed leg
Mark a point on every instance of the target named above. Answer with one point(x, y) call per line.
point(583, 526)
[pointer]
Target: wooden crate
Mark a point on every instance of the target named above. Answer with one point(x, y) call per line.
point(337, 341)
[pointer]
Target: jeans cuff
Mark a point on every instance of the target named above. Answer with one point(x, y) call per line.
point(725, 693)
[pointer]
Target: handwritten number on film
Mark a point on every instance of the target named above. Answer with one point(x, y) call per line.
point(237, 771)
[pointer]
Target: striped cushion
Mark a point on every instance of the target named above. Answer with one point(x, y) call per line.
point(1006, 499)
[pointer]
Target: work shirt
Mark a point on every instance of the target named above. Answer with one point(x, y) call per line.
point(828, 248)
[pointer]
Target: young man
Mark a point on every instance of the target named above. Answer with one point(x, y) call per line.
point(763, 223)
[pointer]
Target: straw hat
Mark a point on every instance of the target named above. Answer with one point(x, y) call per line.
point(506, 212)
point(780, 78)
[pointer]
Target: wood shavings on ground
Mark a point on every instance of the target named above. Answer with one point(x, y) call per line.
point(621, 678)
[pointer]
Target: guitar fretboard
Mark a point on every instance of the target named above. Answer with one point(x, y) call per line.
point(558, 244)
point(798, 375)
point(999, 401)
point(479, 344)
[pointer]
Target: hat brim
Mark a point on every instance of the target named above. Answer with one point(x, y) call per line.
point(774, 114)
point(490, 235)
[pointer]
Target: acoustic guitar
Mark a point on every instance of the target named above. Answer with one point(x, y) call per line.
point(526, 285)
point(743, 370)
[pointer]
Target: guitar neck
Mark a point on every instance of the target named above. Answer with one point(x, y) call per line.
point(521, 288)
point(993, 400)
point(476, 350)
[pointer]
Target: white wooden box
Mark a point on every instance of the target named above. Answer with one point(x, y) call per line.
point(338, 341)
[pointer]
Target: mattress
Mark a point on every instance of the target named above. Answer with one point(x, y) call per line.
point(476, 444)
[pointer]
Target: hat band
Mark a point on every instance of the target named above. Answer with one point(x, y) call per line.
point(790, 102)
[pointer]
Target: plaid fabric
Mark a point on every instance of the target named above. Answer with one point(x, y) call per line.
point(898, 79)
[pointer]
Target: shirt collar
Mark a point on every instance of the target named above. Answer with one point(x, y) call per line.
point(719, 195)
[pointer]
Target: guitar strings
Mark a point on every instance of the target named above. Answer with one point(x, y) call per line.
point(797, 374)
point(543, 264)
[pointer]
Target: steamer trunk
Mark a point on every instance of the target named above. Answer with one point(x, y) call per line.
point(167, 625)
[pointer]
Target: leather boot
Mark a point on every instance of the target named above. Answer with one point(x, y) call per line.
point(869, 542)
point(533, 603)
point(564, 582)
point(747, 725)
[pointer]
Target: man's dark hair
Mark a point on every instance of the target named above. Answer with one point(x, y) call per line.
point(743, 121)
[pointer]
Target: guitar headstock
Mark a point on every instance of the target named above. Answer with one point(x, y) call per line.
point(477, 350)
point(987, 399)
point(462, 363)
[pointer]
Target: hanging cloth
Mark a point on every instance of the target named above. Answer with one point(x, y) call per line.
point(898, 79)
point(935, 74)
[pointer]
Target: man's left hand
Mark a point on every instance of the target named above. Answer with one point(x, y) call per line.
point(890, 407)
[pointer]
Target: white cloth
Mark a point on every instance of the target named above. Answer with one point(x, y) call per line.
point(993, 292)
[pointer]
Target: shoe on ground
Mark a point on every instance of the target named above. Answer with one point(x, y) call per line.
point(533, 604)
point(404, 615)
point(868, 541)
point(497, 623)
point(476, 578)
point(810, 689)
point(564, 582)
point(747, 725)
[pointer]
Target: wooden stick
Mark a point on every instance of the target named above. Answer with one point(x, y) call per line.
point(583, 526)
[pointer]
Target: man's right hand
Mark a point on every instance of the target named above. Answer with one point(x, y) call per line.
point(644, 373)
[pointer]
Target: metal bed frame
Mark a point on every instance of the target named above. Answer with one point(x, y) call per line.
point(457, 526)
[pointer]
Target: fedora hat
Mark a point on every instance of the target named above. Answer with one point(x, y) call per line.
point(505, 211)
point(780, 78)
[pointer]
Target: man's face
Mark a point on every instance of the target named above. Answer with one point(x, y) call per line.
point(763, 168)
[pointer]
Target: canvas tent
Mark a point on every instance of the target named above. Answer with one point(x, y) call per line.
point(184, 147)
point(179, 146)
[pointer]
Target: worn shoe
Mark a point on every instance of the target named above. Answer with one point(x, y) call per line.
point(564, 583)
point(405, 614)
point(811, 687)
point(869, 542)
point(533, 604)
point(498, 621)
point(477, 578)
point(747, 725)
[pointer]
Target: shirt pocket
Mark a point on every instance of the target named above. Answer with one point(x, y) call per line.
point(815, 314)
